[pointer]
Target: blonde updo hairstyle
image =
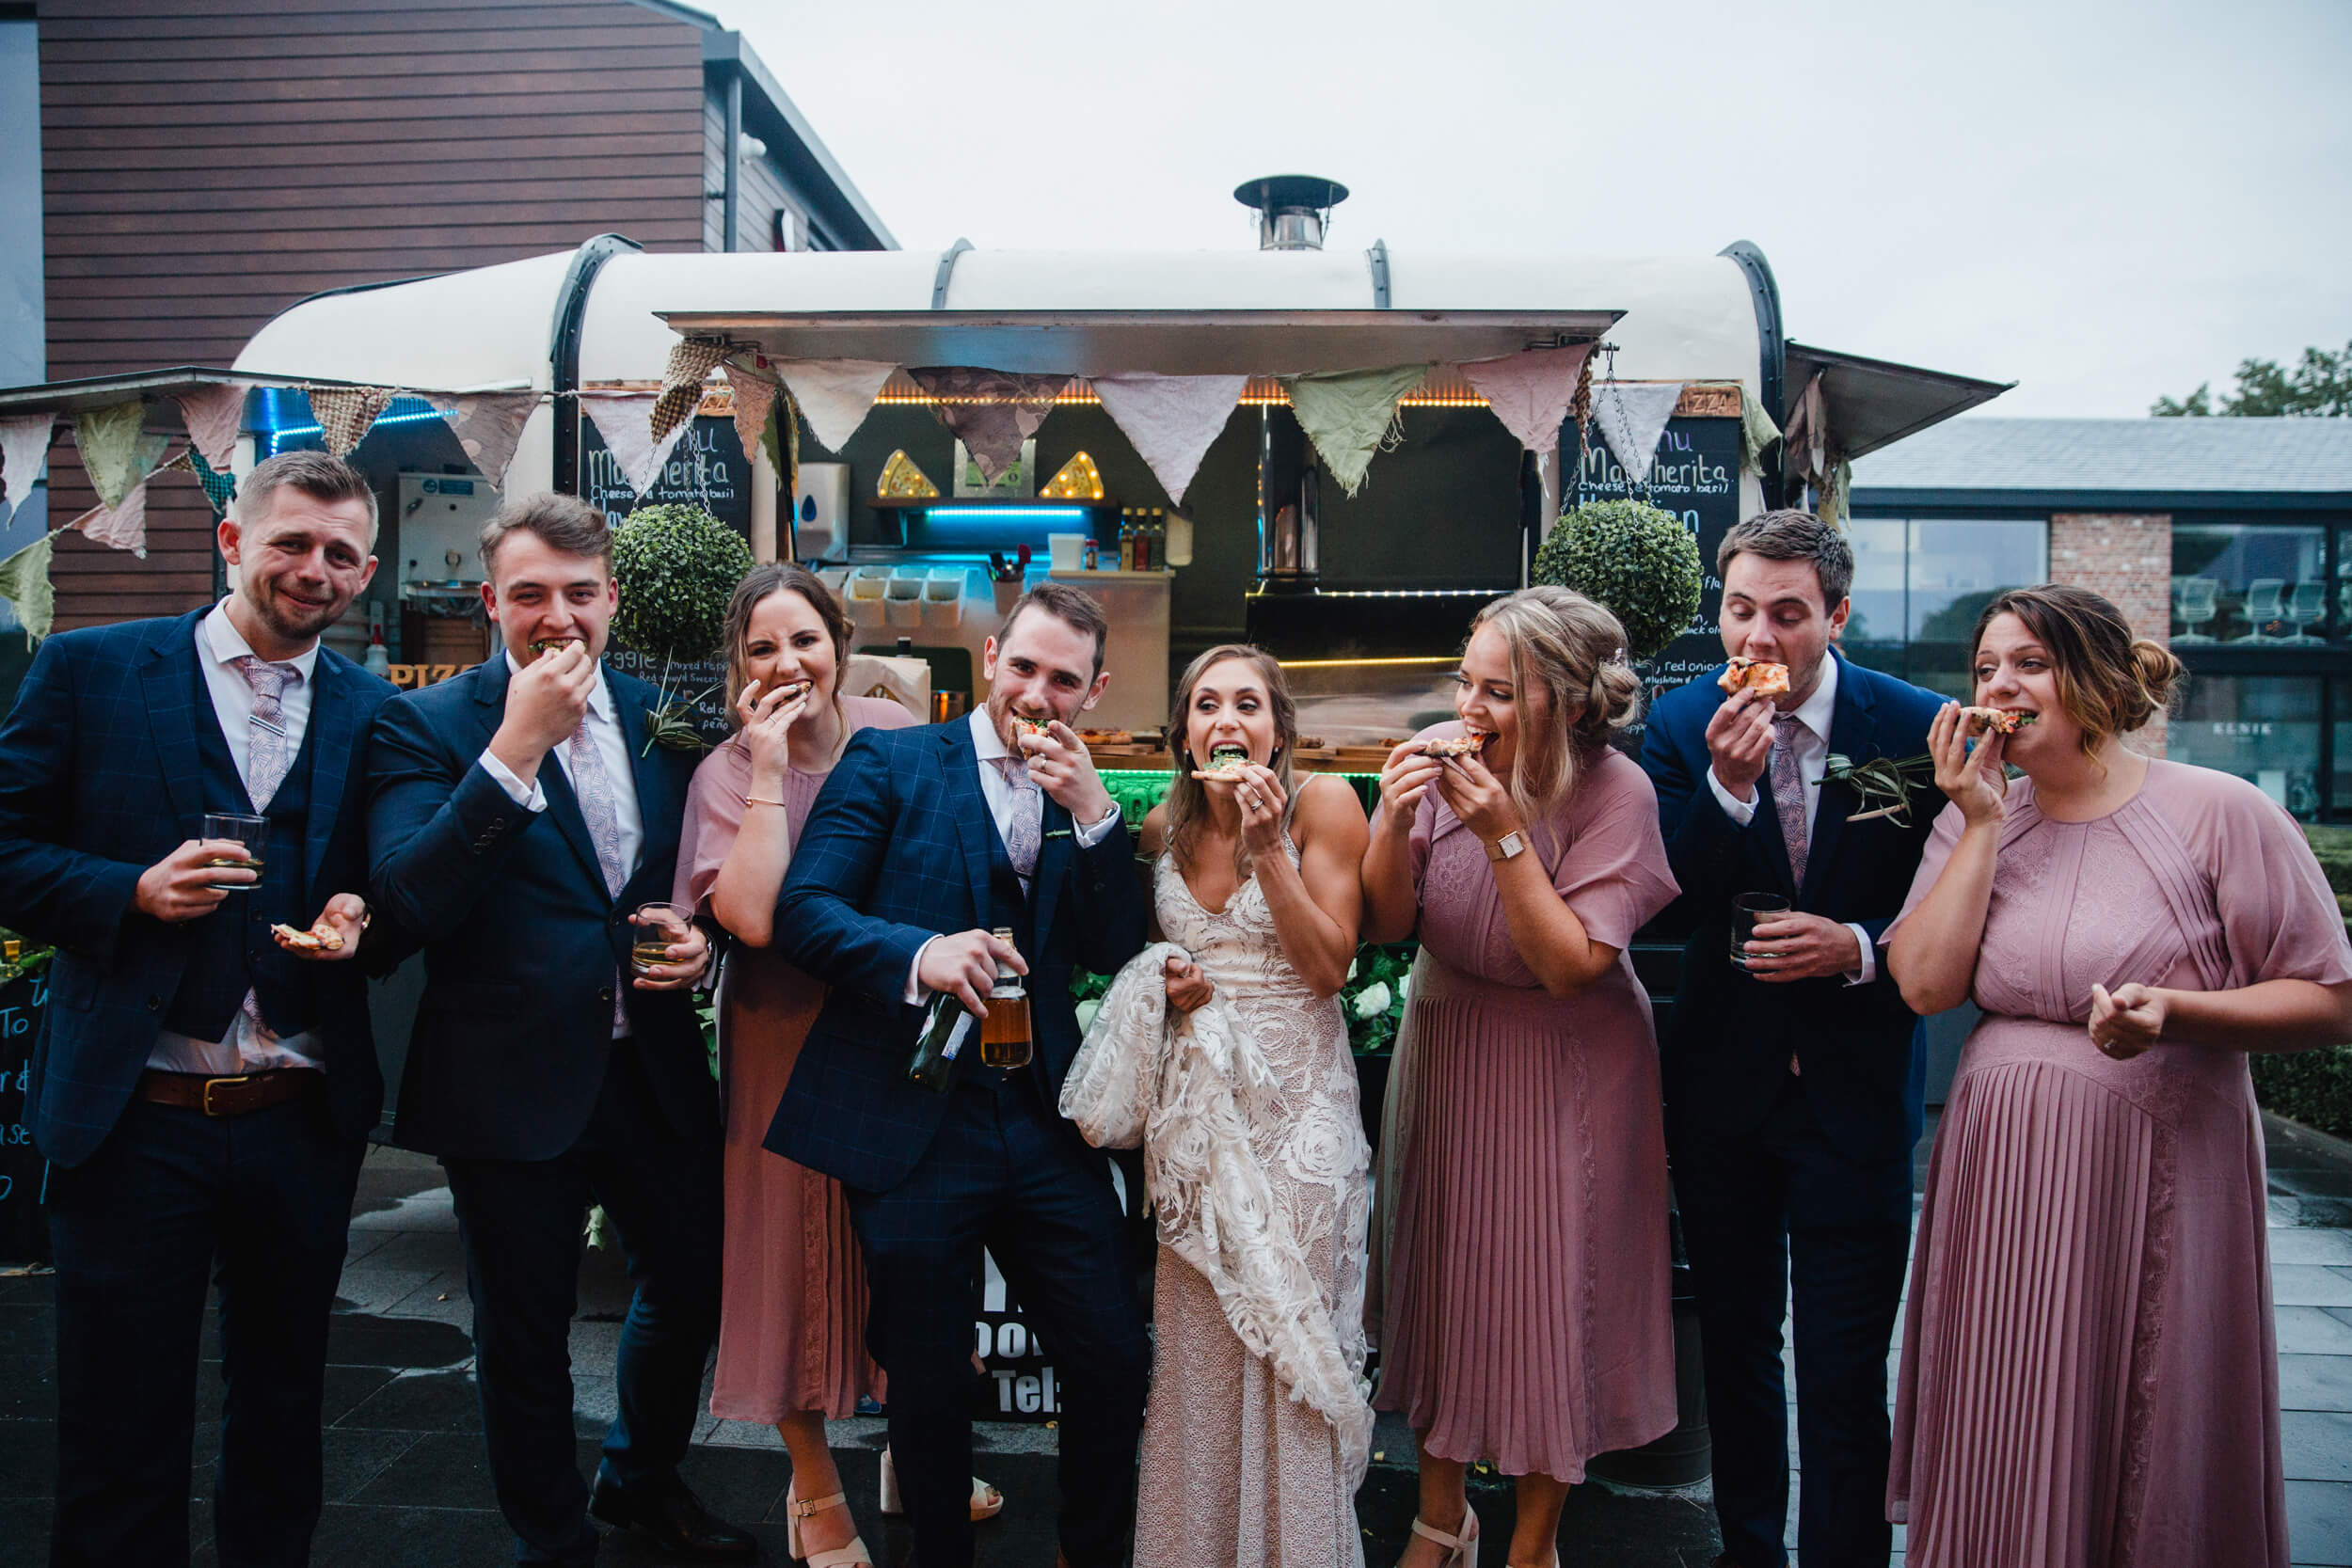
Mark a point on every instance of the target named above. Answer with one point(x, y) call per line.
point(1574, 685)
point(783, 576)
point(1186, 804)
point(2109, 681)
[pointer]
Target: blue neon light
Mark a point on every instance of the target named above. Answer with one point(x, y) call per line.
point(967, 512)
point(410, 411)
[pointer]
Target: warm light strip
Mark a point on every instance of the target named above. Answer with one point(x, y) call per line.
point(1363, 663)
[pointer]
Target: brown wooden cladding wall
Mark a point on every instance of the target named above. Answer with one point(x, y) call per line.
point(208, 163)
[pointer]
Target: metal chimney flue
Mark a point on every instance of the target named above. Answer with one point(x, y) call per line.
point(1294, 209)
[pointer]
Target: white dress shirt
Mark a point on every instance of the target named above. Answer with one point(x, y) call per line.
point(1810, 741)
point(217, 644)
point(988, 745)
point(620, 768)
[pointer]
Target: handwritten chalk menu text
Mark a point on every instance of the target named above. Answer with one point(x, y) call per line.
point(23, 1230)
point(707, 469)
point(1696, 477)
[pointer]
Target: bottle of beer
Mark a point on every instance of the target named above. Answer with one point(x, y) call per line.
point(947, 1029)
point(1005, 1035)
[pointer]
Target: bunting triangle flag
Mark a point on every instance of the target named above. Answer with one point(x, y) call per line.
point(753, 397)
point(1171, 420)
point(25, 583)
point(124, 527)
point(1633, 416)
point(213, 415)
point(346, 414)
point(116, 453)
point(692, 361)
point(1346, 413)
point(1757, 432)
point(1531, 392)
point(489, 425)
point(835, 395)
point(24, 448)
point(625, 420)
point(990, 412)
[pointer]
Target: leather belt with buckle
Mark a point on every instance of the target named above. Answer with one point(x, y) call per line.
point(228, 1097)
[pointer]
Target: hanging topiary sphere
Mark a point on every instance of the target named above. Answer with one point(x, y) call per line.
point(677, 567)
point(1638, 560)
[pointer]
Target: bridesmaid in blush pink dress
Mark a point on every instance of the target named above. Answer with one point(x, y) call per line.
point(792, 1309)
point(2090, 1375)
point(1519, 1267)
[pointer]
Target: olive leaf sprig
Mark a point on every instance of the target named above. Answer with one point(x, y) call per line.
point(1882, 785)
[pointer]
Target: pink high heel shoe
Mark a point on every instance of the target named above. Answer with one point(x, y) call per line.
point(1462, 1549)
point(797, 1510)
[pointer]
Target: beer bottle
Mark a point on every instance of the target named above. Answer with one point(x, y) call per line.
point(1004, 1034)
point(947, 1029)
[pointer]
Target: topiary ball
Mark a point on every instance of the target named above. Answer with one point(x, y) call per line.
point(1637, 560)
point(677, 567)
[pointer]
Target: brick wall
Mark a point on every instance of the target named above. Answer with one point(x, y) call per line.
point(2128, 558)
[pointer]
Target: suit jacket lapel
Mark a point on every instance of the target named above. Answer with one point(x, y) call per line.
point(959, 764)
point(172, 681)
point(655, 821)
point(1058, 842)
point(1852, 732)
point(1766, 826)
point(562, 805)
point(334, 735)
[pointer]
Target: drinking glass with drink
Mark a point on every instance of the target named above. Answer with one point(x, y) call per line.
point(251, 832)
point(659, 927)
point(1749, 911)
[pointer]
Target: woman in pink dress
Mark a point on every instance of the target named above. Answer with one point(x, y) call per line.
point(2089, 1371)
point(1519, 1268)
point(792, 1313)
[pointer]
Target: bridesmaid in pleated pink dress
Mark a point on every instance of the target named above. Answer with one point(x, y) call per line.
point(1519, 1293)
point(793, 1307)
point(2090, 1376)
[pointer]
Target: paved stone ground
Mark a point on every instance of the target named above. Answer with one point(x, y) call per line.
point(407, 1482)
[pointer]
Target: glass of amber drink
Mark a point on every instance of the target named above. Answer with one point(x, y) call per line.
point(658, 926)
point(231, 827)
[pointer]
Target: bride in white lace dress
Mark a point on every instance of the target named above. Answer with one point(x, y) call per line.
point(1259, 1426)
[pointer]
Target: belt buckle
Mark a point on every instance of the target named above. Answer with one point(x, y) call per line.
point(211, 1083)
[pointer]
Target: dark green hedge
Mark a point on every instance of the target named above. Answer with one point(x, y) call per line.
point(2313, 1088)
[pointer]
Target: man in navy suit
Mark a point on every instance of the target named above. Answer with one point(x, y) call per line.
point(1792, 1076)
point(517, 817)
point(201, 1089)
point(923, 843)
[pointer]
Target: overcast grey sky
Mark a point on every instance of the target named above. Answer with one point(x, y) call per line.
point(2102, 201)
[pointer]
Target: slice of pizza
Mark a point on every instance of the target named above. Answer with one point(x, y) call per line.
point(1470, 743)
point(1226, 761)
point(903, 480)
point(1995, 721)
point(323, 939)
point(548, 644)
point(1764, 678)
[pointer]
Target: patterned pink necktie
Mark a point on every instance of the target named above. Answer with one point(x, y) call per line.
point(1788, 793)
point(595, 789)
point(1023, 832)
point(266, 760)
point(265, 765)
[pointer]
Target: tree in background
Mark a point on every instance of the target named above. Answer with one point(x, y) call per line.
point(2320, 384)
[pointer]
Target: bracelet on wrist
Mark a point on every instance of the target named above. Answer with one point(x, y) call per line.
point(756, 800)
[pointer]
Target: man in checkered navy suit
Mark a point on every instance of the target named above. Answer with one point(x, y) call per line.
point(202, 1088)
point(924, 842)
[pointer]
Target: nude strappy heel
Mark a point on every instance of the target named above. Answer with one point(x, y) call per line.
point(1461, 1550)
point(796, 1509)
point(987, 1502)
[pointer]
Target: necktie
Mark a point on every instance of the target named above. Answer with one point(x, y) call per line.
point(1788, 793)
point(265, 739)
point(595, 789)
point(265, 764)
point(1023, 832)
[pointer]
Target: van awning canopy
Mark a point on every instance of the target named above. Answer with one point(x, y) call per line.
point(1166, 343)
point(1874, 403)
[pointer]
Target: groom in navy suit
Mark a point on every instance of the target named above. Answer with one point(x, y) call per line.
point(1793, 1074)
point(923, 843)
point(201, 1089)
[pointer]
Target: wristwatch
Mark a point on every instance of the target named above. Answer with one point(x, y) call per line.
point(1510, 843)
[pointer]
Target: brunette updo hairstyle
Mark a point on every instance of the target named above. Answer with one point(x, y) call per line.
point(2109, 681)
point(1569, 668)
point(780, 577)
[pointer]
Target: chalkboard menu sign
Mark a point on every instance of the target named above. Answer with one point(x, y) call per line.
point(706, 678)
point(707, 469)
point(1696, 477)
point(23, 1230)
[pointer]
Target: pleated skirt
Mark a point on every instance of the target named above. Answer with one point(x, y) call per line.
point(2089, 1374)
point(1519, 1288)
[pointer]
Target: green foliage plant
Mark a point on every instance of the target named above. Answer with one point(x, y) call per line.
point(1632, 557)
point(677, 567)
point(2319, 386)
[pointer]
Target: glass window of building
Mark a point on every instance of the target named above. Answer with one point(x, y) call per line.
point(1920, 584)
point(2249, 585)
point(2262, 728)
